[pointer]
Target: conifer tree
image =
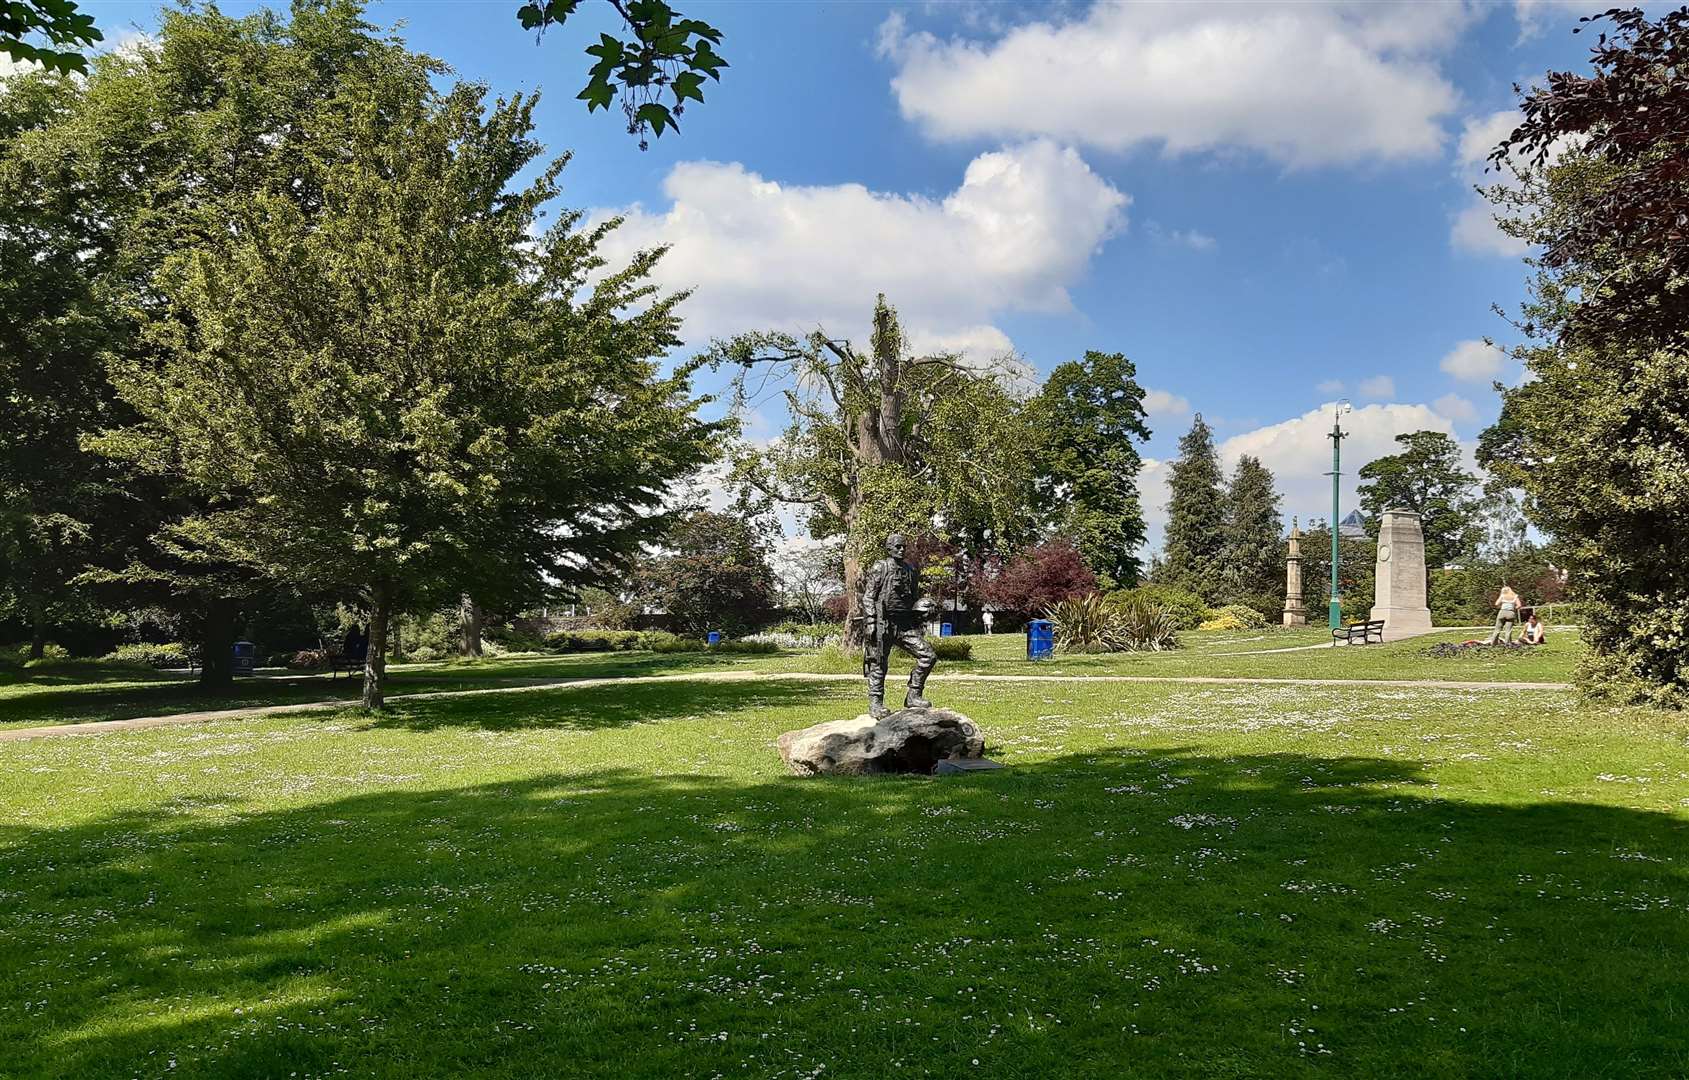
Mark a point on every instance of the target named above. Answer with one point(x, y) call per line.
point(1196, 515)
point(1252, 558)
point(1091, 414)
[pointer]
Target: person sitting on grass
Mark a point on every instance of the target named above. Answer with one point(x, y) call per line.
point(1506, 614)
point(1533, 632)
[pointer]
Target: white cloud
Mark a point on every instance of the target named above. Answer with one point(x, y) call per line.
point(1474, 361)
point(1152, 496)
point(979, 346)
point(132, 42)
point(1456, 408)
point(1163, 403)
point(1534, 16)
point(1474, 229)
point(1480, 135)
point(10, 66)
point(1330, 386)
point(1303, 84)
point(1379, 387)
point(1298, 451)
point(1019, 229)
point(1185, 238)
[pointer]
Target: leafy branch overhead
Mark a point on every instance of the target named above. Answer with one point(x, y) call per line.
point(56, 20)
point(666, 54)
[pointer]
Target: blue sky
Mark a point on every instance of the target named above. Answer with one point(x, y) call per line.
point(1255, 202)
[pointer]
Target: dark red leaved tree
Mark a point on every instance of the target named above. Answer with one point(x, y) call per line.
point(1028, 583)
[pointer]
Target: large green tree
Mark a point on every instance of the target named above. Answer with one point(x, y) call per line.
point(403, 393)
point(1090, 416)
point(712, 573)
point(882, 440)
point(1427, 476)
point(1196, 516)
point(1598, 438)
point(1252, 558)
point(147, 154)
point(53, 327)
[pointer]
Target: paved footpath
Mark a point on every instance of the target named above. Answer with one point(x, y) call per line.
point(100, 727)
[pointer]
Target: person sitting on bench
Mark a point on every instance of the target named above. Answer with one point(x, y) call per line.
point(355, 649)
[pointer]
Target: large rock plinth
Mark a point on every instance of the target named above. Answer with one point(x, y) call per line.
point(905, 741)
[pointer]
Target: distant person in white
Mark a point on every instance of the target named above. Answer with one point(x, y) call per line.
point(1534, 632)
point(986, 618)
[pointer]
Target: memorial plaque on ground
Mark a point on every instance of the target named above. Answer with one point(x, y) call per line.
point(965, 765)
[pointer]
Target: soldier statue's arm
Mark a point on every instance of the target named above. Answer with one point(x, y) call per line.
point(873, 601)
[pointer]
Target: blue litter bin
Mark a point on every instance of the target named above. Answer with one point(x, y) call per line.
point(245, 657)
point(714, 637)
point(944, 630)
point(1040, 640)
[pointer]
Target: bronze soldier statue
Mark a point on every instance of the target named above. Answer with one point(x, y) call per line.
point(892, 613)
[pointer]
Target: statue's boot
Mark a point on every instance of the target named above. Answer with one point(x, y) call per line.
point(913, 699)
point(877, 706)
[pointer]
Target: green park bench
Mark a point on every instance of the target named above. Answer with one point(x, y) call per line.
point(1359, 633)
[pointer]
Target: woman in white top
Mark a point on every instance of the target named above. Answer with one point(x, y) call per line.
point(1533, 631)
point(1506, 614)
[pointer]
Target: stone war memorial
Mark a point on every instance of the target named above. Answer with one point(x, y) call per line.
point(1400, 596)
point(917, 738)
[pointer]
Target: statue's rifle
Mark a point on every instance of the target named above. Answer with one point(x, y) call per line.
point(871, 631)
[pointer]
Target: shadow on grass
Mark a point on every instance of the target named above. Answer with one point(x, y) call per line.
point(1146, 914)
point(82, 700)
point(69, 672)
point(566, 666)
point(594, 707)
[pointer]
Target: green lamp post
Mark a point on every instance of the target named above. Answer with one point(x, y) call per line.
point(1337, 436)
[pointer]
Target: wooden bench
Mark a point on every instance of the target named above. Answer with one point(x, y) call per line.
point(338, 662)
point(1359, 633)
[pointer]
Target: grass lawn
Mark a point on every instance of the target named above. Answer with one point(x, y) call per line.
point(85, 691)
point(1279, 654)
point(1170, 881)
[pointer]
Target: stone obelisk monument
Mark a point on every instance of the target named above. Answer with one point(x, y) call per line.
point(1399, 598)
point(1295, 614)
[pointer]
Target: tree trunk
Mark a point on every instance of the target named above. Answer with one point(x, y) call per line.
point(398, 640)
point(852, 572)
point(217, 643)
point(37, 628)
point(375, 657)
point(471, 612)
